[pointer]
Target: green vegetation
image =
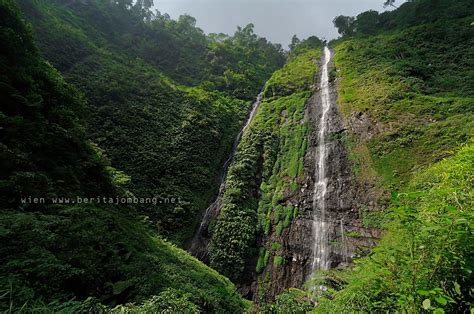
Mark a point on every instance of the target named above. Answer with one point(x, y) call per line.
point(76, 257)
point(278, 260)
point(408, 75)
point(263, 256)
point(164, 101)
point(423, 261)
point(269, 160)
point(409, 14)
point(291, 301)
point(295, 76)
point(276, 246)
point(418, 106)
point(117, 101)
point(420, 100)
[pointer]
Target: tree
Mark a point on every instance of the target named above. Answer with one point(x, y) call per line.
point(367, 22)
point(245, 36)
point(146, 4)
point(297, 46)
point(390, 3)
point(313, 42)
point(344, 24)
point(294, 42)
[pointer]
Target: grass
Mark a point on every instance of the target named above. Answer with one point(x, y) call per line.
point(420, 121)
point(420, 101)
point(140, 265)
point(297, 75)
point(425, 252)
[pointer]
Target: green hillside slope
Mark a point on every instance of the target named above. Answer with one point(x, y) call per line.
point(170, 139)
point(424, 261)
point(268, 163)
point(417, 88)
point(61, 254)
point(405, 89)
point(407, 95)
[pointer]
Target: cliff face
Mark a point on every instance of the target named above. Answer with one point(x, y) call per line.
point(344, 199)
point(275, 175)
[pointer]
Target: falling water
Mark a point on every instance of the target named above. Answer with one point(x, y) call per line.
point(344, 249)
point(320, 224)
point(198, 245)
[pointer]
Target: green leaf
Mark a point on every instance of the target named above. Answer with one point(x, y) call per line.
point(423, 292)
point(121, 286)
point(457, 288)
point(426, 304)
point(441, 300)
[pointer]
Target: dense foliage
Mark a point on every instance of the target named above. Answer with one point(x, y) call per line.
point(424, 261)
point(418, 104)
point(410, 13)
point(53, 253)
point(407, 75)
point(267, 165)
point(169, 139)
point(149, 107)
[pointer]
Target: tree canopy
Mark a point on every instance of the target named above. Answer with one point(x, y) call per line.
point(344, 24)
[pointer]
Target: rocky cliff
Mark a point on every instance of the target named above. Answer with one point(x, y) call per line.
point(345, 198)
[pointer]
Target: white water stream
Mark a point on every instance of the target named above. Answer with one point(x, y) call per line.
point(207, 213)
point(320, 225)
point(212, 210)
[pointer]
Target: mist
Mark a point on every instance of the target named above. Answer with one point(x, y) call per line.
point(277, 20)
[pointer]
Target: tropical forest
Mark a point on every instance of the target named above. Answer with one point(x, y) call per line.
point(148, 165)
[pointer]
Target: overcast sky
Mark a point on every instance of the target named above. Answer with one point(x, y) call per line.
point(277, 20)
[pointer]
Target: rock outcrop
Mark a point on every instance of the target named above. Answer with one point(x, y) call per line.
point(345, 197)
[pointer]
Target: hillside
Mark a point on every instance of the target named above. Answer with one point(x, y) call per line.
point(53, 256)
point(405, 92)
point(266, 172)
point(169, 138)
point(407, 97)
point(335, 177)
point(424, 260)
point(411, 93)
point(404, 95)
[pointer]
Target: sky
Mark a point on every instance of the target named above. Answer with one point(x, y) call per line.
point(277, 20)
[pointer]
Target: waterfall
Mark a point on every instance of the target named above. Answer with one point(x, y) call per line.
point(344, 249)
point(200, 240)
point(321, 226)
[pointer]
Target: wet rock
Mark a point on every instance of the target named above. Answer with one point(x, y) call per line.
point(344, 199)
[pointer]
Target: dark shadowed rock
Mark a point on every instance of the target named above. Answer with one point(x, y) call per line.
point(344, 199)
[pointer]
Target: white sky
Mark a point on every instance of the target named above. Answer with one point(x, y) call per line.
point(277, 20)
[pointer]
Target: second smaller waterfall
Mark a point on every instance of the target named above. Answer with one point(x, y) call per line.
point(200, 240)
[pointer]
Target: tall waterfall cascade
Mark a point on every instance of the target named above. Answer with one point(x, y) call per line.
point(321, 257)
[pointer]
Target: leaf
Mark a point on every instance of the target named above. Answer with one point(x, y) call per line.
point(461, 221)
point(121, 286)
point(441, 300)
point(426, 304)
point(423, 292)
point(457, 288)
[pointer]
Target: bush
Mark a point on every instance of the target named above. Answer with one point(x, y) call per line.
point(423, 261)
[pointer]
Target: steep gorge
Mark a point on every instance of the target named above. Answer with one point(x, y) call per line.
point(316, 239)
point(368, 142)
point(200, 241)
point(298, 223)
